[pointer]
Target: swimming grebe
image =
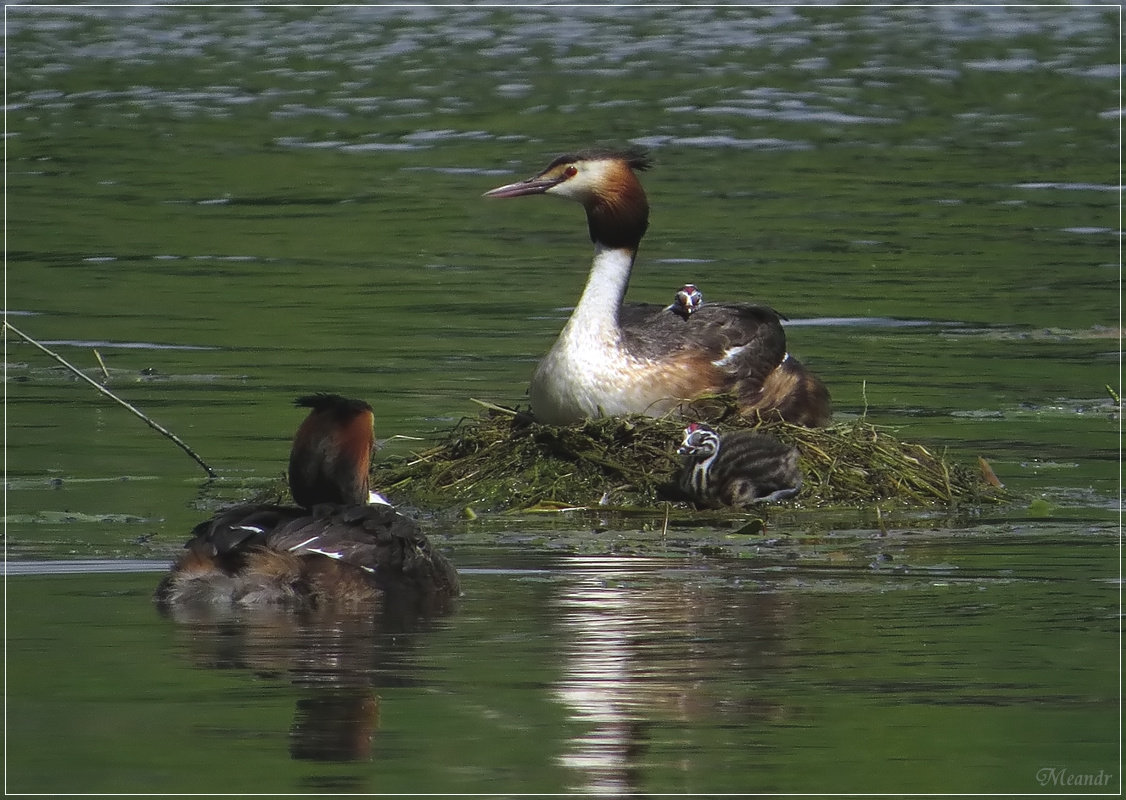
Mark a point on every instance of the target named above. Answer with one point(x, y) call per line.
point(688, 298)
point(333, 549)
point(614, 359)
point(738, 469)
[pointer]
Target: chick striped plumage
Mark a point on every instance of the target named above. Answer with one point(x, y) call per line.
point(737, 469)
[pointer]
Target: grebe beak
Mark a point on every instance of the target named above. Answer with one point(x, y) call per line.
point(536, 185)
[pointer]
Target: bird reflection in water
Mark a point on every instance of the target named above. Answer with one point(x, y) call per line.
point(642, 652)
point(335, 660)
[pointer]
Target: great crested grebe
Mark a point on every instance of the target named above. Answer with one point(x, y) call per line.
point(332, 549)
point(688, 299)
point(614, 359)
point(737, 469)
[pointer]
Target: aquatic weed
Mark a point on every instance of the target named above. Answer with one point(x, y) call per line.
point(502, 459)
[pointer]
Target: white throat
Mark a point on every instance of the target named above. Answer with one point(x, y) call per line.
point(597, 311)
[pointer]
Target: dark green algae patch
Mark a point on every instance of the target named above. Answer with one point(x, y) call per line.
point(502, 460)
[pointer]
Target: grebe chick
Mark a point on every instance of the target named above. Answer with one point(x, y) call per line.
point(688, 298)
point(331, 549)
point(615, 359)
point(738, 469)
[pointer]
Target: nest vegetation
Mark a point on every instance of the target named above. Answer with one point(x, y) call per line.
point(502, 459)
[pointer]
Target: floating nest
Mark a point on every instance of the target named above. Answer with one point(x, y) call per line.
point(504, 460)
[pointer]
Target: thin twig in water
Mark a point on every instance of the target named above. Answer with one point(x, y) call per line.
point(493, 407)
point(151, 423)
point(102, 364)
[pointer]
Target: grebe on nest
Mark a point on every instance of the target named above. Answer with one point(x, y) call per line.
point(332, 549)
point(616, 359)
point(737, 469)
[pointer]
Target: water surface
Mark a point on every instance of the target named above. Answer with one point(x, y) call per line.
point(235, 206)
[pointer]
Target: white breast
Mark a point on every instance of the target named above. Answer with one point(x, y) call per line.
point(582, 377)
point(587, 372)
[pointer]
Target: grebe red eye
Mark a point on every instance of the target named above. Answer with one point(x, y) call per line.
point(571, 171)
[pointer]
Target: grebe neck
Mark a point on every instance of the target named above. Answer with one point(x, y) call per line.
point(331, 451)
point(597, 309)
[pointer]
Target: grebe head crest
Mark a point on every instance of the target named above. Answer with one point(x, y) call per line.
point(331, 451)
point(575, 174)
point(603, 181)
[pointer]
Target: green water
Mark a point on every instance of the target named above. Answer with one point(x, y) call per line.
point(237, 206)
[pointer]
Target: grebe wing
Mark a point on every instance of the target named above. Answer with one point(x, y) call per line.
point(377, 539)
point(739, 339)
point(238, 528)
